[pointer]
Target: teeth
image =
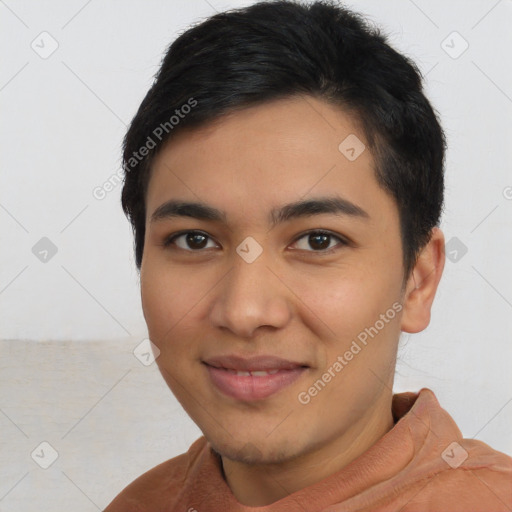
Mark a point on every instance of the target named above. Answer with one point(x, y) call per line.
point(259, 373)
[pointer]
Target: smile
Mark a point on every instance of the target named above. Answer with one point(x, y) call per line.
point(251, 379)
point(252, 385)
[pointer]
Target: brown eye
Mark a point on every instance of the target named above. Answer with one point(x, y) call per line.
point(190, 241)
point(318, 241)
point(196, 240)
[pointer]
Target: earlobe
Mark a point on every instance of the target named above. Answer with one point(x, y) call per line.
point(422, 284)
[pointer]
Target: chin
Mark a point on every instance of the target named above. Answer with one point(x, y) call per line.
point(254, 452)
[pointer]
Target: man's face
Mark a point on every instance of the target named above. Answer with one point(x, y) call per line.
point(305, 299)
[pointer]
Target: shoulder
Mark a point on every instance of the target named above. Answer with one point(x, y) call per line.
point(446, 470)
point(153, 489)
point(476, 478)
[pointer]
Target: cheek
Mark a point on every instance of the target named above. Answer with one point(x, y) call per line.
point(341, 304)
point(171, 302)
point(169, 299)
point(340, 298)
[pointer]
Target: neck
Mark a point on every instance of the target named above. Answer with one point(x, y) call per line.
point(263, 484)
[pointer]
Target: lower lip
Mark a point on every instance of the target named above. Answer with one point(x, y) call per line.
point(252, 387)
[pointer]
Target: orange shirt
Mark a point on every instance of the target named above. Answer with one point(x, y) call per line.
point(422, 464)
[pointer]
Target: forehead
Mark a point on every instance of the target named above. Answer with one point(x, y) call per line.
point(267, 155)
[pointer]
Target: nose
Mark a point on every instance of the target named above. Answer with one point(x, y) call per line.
point(249, 297)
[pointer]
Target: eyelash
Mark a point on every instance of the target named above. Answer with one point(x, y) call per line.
point(342, 241)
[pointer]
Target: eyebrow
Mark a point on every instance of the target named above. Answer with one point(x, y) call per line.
point(335, 205)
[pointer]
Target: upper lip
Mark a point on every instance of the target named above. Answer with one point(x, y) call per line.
point(256, 363)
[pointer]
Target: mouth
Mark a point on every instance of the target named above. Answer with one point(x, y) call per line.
point(251, 379)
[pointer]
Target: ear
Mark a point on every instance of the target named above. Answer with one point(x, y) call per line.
point(422, 284)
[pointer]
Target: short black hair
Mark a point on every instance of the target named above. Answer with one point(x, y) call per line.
point(277, 49)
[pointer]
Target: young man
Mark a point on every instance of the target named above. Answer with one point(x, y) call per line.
point(284, 179)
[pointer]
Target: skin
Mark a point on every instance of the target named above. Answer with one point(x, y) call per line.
point(294, 301)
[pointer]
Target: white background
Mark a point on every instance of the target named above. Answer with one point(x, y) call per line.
point(69, 325)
